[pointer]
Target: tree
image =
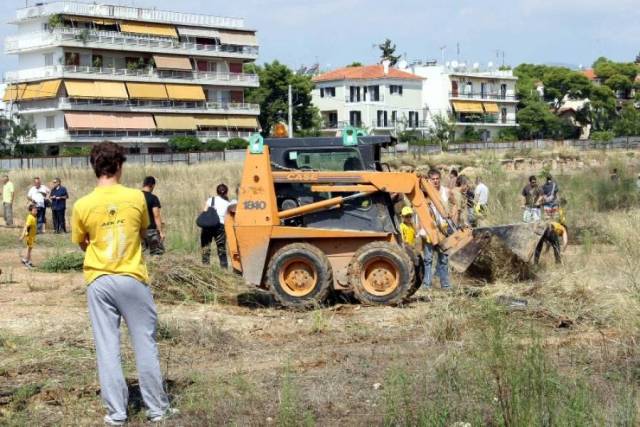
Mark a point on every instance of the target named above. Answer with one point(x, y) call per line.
point(272, 95)
point(355, 64)
point(20, 131)
point(442, 131)
point(537, 121)
point(388, 50)
point(619, 82)
point(628, 124)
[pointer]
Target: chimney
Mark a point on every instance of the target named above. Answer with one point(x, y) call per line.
point(385, 65)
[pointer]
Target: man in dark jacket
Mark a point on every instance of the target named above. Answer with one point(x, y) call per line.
point(58, 197)
point(154, 237)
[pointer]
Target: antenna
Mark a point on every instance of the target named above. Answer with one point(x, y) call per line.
point(442, 51)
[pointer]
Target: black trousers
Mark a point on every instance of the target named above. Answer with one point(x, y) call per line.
point(59, 225)
point(551, 238)
point(41, 218)
point(206, 237)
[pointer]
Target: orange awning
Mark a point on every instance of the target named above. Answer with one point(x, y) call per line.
point(490, 107)
point(467, 107)
point(185, 92)
point(147, 91)
point(109, 121)
point(172, 62)
point(159, 30)
point(14, 92)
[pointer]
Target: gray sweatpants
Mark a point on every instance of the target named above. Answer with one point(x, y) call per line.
point(8, 214)
point(111, 298)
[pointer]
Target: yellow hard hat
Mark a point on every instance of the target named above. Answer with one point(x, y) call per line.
point(406, 211)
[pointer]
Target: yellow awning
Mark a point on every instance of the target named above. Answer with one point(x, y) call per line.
point(14, 92)
point(50, 88)
point(32, 91)
point(111, 90)
point(165, 62)
point(149, 29)
point(211, 121)
point(80, 89)
point(174, 122)
point(185, 92)
point(243, 122)
point(490, 107)
point(97, 21)
point(238, 38)
point(147, 91)
point(467, 107)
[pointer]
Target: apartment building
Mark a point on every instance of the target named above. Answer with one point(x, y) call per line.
point(95, 72)
point(381, 99)
point(483, 100)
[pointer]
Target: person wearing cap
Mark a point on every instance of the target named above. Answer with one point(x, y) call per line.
point(407, 229)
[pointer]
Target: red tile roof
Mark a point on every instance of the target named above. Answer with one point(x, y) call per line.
point(590, 74)
point(366, 72)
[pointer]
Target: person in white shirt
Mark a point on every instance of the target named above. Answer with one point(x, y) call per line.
point(481, 200)
point(221, 204)
point(38, 195)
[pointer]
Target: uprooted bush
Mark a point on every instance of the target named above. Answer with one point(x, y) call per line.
point(497, 262)
point(183, 279)
point(63, 263)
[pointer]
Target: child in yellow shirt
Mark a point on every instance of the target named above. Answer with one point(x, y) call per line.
point(407, 229)
point(29, 233)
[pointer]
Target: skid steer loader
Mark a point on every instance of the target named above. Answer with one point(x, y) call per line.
point(317, 216)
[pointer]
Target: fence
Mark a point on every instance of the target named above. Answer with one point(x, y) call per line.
point(238, 155)
point(145, 159)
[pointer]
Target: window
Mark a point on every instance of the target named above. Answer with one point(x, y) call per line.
point(50, 122)
point(395, 89)
point(71, 58)
point(454, 88)
point(330, 92)
point(503, 115)
point(382, 119)
point(332, 120)
point(503, 91)
point(414, 119)
point(355, 118)
point(469, 88)
point(354, 93)
point(332, 160)
point(394, 117)
point(48, 59)
point(374, 93)
point(321, 92)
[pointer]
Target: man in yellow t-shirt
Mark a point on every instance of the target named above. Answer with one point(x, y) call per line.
point(29, 233)
point(108, 224)
point(8, 196)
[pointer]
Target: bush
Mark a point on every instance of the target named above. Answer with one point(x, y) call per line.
point(31, 150)
point(237, 144)
point(71, 261)
point(76, 151)
point(469, 134)
point(602, 135)
point(215, 145)
point(508, 134)
point(184, 144)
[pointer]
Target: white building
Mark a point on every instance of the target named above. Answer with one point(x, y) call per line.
point(94, 72)
point(483, 100)
point(374, 97)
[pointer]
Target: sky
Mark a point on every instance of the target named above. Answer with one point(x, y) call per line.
point(335, 33)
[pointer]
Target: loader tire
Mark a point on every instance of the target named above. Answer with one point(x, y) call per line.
point(418, 265)
point(299, 275)
point(381, 273)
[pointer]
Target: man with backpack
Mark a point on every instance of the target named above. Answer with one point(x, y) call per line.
point(550, 196)
point(212, 228)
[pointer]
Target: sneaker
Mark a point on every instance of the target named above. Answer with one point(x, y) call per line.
point(29, 264)
point(111, 422)
point(168, 413)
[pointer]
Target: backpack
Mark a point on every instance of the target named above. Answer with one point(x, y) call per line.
point(551, 197)
point(208, 218)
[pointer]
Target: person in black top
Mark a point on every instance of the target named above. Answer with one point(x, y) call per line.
point(58, 197)
point(154, 236)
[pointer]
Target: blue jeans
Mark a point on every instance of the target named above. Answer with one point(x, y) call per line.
point(442, 267)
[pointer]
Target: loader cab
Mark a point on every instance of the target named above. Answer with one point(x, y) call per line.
point(331, 154)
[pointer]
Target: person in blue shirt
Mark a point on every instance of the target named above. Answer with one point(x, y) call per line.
point(58, 199)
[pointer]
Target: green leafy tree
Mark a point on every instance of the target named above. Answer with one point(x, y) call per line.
point(272, 95)
point(442, 131)
point(20, 132)
point(628, 124)
point(619, 82)
point(536, 120)
point(387, 52)
point(605, 69)
point(355, 64)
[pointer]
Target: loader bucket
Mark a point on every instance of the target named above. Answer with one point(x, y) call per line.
point(520, 239)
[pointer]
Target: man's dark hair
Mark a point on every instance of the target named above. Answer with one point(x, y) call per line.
point(222, 190)
point(106, 158)
point(149, 181)
point(533, 178)
point(454, 173)
point(433, 172)
point(462, 180)
point(549, 178)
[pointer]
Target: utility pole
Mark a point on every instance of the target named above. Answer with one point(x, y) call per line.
point(290, 113)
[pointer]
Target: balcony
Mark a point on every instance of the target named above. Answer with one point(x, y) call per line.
point(52, 136)
point(124, 12)
point(483, 119)
point(484, 96)
point(140, 106)
point(142, 75)
point(398, 124)
point(363, 100)
point(113, 40)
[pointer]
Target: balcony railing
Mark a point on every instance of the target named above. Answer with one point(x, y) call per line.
point(485, 95)
point(125, 12)
point(138, 105)
point(77, 71)
point(121, 41)
point(390, 124)
point(484, 119)
point(62, 135)
point(363, 99)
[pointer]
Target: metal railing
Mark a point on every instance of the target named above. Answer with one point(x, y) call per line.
point(14, 44)
point(76, 71)
point(399, 124)
point(484, 119)
point(124, 12)
point(131, 104)
point(62, 135)
point(485, 95)
point(363, 99)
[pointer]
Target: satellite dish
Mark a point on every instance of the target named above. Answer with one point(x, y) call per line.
point(454, 64)
point(462, 65)
point(476, 65)
point(490, 64)
point(448, 64)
